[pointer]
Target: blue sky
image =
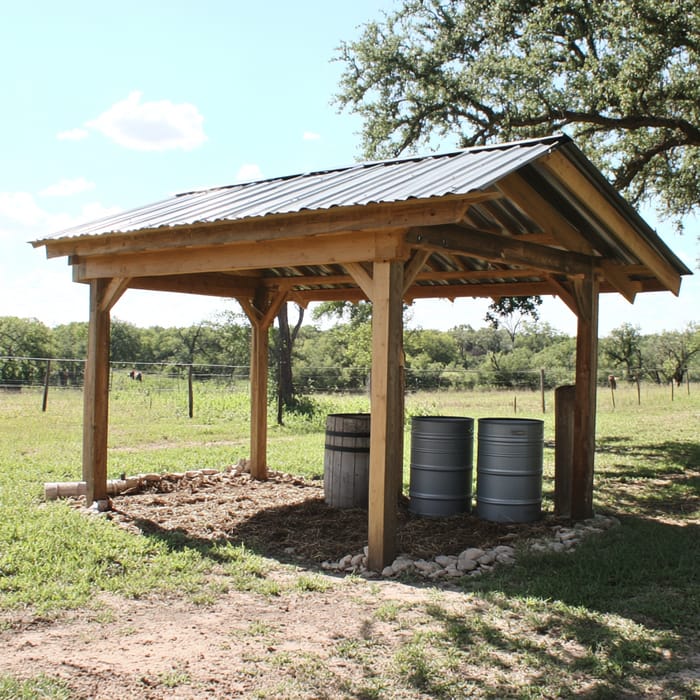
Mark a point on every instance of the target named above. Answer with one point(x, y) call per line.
point(110, 106)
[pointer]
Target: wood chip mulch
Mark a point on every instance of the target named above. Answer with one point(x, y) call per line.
point(286, 517)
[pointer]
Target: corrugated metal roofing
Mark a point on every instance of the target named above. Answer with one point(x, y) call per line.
point(455, 173)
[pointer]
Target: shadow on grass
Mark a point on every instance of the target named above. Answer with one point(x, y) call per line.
point(645, 570)
point(659, 459)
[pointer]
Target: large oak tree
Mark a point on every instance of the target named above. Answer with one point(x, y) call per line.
point(620, 76)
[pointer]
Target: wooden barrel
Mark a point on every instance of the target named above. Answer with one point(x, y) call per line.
point(346, 460)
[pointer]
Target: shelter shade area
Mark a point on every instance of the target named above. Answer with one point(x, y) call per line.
point(533, 217)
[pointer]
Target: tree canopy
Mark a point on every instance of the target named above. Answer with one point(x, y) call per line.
point(622, 77)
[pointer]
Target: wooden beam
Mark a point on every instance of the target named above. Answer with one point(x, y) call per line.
point(602, 209)
point(96, 394)
point(361, 277)
point(616, 275)
point(113, 292)
point(586, 295)
point(413, 267)
point(523, 195)
point(383, 216)
point(245, 256)
point(386, 433)
point(213, 284)
point(486, 246)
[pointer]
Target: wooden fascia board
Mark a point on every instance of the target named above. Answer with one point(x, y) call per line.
point(418, 212)
point(585, 191)
point(486, 246)
point(332, 250)
point(516, 188)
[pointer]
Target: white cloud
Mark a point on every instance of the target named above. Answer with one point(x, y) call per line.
point(72, 135)
point(65, 188)
point(20, 208)
point(248, 172)
point(22, 219)
point(151, 126)
point(311, 136)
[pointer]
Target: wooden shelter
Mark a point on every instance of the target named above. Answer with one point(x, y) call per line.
point(527, 218)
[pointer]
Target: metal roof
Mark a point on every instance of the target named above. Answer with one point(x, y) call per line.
point(510, 194)
point(425, 177)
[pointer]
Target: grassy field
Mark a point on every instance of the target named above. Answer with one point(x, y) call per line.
point(628, 603)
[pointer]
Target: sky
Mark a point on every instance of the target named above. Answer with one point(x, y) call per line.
point(110, 106)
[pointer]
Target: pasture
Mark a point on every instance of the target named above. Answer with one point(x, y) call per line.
point(91, 609)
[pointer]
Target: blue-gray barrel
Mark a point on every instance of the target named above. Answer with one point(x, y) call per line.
point(346, 460)
point(509, 469)
point(442, 449)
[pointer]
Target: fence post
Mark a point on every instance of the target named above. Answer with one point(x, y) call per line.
point(45, 400)
point(190, 393)
point(544, 410)
point(564, 403)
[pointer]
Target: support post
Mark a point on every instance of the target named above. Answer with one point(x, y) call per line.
point(586, 292)
point(386, 432)
point(564, 406)
point(258, 399)
point(96, 395)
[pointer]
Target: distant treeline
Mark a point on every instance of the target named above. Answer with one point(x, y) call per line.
point(339, 358)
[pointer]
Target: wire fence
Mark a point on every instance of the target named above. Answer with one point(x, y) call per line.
point(25, 373)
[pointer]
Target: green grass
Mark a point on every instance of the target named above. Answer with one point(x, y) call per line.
point(40, 687)
point(609, 620)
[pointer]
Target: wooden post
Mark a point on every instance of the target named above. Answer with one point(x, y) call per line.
point(586, 293)
point(45, 400)
point(386, 432)
point(96, 395)
point(639, 390)
point(190, 392)
point(261, 311)
point(564, 403)
point(258, 400)
point(544, 407)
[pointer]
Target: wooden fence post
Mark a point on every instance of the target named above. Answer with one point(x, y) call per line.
point(190, 392)
point(544, 408)
point(46, 386)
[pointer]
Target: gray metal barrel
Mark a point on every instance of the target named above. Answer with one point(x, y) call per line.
point(442, 449)
point(346, 460)
point(509, 469)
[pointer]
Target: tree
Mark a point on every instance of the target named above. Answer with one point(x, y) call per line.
point(622, 77)
point(285, 344)
point(20, 340)
point(511, 312)
point(670, 353)
point(623, 347)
